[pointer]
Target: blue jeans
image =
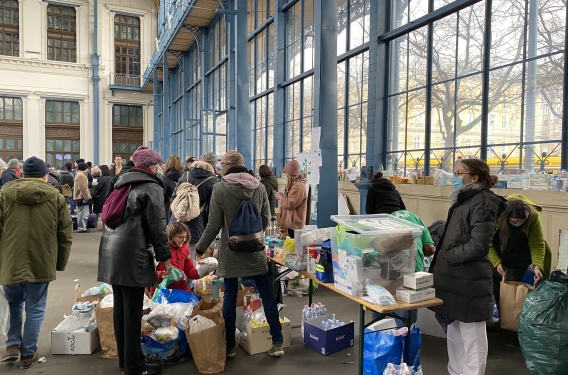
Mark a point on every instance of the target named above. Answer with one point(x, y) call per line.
point(268, 302)
point(32, 297)
point(249, 282)
point(412, 314)
point(73, 204)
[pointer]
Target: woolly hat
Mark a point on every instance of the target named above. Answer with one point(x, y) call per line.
point(146, 157)
point(14, 163)
point(78, 161)
point(35, 168)
point(82, 166)
point(231, 159)
point(209, 157)
point(292, 168)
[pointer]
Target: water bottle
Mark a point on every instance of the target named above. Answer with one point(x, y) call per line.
point(304, 317)
point(323, 310)
point(310, 314)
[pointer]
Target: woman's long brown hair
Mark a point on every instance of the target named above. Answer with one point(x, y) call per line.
point(517, 209)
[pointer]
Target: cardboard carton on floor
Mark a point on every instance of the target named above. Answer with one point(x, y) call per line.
point(75, 342)
point(258, 340)
point(330, 341)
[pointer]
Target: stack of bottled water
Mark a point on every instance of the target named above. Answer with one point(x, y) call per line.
point(326, 325)
point(312, 312)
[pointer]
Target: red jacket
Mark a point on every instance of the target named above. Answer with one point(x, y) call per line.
point(180, 260)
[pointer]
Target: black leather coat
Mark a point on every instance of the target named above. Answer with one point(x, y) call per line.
point(461, 267)
point(126, 254)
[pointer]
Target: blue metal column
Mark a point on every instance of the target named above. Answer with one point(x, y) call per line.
point(375, 118)
point(242, 128)
point(96, 79)
point(156, 109)
point(166, 101)
point(325, 104)
point(279, 92)
point(204, 86)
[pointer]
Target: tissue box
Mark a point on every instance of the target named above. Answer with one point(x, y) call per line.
point(330, 341)
point(413, 296)
point(418, 280)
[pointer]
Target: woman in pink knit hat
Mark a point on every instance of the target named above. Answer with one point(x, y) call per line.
point(294, 200)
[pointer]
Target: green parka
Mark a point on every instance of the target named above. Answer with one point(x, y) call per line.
point(35, 232)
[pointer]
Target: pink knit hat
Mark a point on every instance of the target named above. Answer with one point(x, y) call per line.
point(146, 157)
point(292, 168)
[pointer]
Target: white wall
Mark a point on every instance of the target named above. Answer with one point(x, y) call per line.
point(36, 79)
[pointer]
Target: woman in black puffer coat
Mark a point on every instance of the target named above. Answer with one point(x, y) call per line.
point(172, 173)
point(127, 253)
point(461, 267)
point(100, 189)
point(383, 198)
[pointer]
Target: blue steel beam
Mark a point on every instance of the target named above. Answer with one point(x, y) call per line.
point(240, 54)
point(156, 114)
point(279, 92)
point(325, 104)
point(166, 151)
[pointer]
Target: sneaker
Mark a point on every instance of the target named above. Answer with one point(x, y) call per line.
point(12, 354)
point(231, 353)
point(276, 350)
point(83, 231)
point(28, 360)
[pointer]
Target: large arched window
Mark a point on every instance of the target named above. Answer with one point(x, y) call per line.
point(61, 33)
point(127, 50)
point(9, 28)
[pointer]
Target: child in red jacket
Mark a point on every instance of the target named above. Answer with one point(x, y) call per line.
point(178, 238)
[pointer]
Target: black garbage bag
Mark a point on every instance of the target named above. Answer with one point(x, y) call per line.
point(543, 327)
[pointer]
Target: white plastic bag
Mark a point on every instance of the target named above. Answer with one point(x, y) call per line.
point(108, 301)
point(380, 296)
point(206, 265)
point(165, 334)
point(4, 314)
point(200, 323)
point(182, 309)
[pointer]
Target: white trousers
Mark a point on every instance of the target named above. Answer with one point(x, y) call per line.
point(467, 348)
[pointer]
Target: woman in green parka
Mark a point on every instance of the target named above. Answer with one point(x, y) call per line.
point(519, 240)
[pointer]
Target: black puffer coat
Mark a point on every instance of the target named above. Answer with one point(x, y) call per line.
point(271, 185)
point(170, 183)
point(66, 178)
point(126, 254)
point(207, 180)
point(383, 198)
point(461, 267)
point(100, 198)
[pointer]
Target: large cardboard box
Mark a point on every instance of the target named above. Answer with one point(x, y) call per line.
point(75, 342)
point(258, 340)
point(330, 341)
point(96, 298)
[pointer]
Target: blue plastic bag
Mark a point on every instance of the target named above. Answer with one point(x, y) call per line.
point(382, 348)
point(324, 267)
point(168, 353)
point(175, 295)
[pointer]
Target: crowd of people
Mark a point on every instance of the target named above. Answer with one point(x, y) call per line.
point(485, 237)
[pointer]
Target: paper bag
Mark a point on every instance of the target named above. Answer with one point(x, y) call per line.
point(66, 191)
point(210, 309)
point(105, 323)
point(208, 348)
point(243, 290)
point(512, 297)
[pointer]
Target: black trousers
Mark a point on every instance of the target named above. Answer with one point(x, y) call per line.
point(291, 233)
point(128, 304)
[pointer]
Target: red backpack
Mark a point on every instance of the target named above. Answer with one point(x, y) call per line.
point(113, 209)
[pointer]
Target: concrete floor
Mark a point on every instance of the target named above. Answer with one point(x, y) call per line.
point(504, 353)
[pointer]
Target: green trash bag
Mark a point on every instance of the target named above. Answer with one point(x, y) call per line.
point(543, 327)
point(174, 276)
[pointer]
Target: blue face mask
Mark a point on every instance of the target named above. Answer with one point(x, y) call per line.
point(457, 182)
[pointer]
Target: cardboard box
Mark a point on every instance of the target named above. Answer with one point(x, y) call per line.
point(345, 285)
point(258, 340)
point(74, 343)
point(413, 296)
point(78, 292)
point(330, 341)
point(418, 280)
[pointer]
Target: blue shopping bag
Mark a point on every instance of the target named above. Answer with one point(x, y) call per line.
point(382, 348)
point(168, 353)
point(176, 295)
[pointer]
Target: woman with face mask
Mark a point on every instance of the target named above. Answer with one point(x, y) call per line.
point(519, 240)
point(461, 267)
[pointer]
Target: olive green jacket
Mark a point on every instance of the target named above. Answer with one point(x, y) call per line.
point(35, 232)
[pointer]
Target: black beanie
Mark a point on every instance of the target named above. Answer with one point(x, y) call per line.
point(35, 168)
point(82, 166)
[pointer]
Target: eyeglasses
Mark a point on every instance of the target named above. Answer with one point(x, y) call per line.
point(181, 237)
point(457, 174)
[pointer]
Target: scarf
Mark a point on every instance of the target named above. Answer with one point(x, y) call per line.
point(298, 180)
point(455, 193)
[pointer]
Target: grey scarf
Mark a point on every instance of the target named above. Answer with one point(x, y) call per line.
point(455, 193)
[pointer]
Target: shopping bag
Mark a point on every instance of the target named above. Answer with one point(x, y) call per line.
point(208, 348)
point(208, 308)
point(4, 314)
point(105, 323)
point(168, 353)
point(383, 347)
point(543, 327)
point(512, 297)
point(66, 191)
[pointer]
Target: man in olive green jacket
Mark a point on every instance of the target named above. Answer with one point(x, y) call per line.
point(35, 240)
